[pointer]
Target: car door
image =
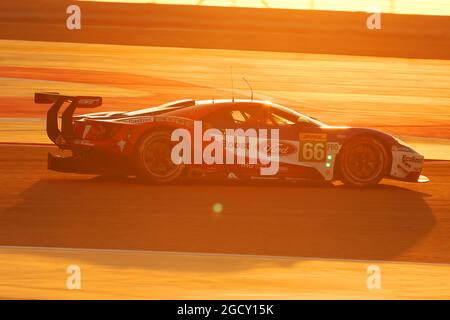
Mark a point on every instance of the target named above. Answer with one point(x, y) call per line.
point(229, 119)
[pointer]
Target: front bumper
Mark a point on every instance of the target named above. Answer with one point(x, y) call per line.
point(415, 177)
point(407, 165)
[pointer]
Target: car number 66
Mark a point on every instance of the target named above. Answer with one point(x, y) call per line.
point(313, 151)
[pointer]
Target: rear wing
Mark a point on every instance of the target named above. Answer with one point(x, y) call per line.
point(61, 137)
point(80, 101)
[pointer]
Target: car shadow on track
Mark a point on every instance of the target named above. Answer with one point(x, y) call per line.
point(299, 220)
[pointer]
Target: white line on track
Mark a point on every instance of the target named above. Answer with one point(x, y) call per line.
point(235, 255)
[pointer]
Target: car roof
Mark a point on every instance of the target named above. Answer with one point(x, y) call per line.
point(211, 105)
point(203, 107)
point(230, 102)
point(165, 107)
point(196, 109)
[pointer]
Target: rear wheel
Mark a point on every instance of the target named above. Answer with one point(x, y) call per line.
point(363, 162)
point(153, 158)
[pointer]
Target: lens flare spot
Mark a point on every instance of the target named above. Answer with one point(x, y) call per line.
point(217, 207)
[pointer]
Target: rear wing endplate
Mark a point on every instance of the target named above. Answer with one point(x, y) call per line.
point(61, 137)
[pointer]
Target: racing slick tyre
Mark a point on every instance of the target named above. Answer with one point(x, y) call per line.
point(153, 158)
point(364, 162)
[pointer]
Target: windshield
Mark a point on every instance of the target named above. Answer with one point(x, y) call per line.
point(294, 116)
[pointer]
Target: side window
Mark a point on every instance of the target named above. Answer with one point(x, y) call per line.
point(248, 116)
point(226, 118)
point(281, 119)
point(239, 117)
point(218, 119)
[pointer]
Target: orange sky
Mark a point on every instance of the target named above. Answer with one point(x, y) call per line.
point(427, 7)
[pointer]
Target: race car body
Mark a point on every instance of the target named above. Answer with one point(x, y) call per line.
point(191, 139)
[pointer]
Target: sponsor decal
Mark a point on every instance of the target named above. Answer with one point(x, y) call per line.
point(286, 148)
point(313, 136)
point(408, 159)
point(333, 147)
point(139, 120)
point(313, 147)
point(89, 101)
point(176, 120)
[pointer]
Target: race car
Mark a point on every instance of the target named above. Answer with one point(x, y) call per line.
point(142, 143)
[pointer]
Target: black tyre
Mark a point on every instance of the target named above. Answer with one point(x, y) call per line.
point(153, 158)
point(363, 162)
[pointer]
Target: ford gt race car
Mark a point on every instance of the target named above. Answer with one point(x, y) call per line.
point(146, 143)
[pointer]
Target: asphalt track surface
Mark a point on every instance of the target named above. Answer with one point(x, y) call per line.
point(40, 273)
point(394, 221)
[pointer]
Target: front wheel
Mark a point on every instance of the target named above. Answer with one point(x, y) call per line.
point(363, 162)
point(153, 158)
